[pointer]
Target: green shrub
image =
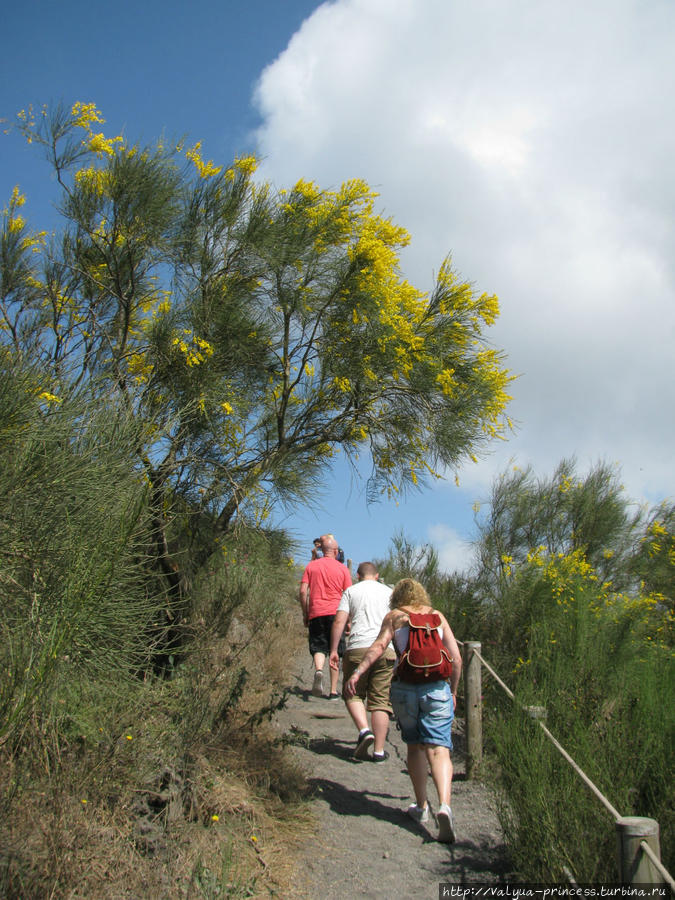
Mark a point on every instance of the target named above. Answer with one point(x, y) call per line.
point(594, 660)
point(79, 601)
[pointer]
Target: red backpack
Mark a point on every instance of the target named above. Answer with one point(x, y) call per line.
point(425, 658)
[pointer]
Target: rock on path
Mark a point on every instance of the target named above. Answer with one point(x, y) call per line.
point(365, 845)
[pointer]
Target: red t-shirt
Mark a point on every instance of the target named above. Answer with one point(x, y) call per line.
point(327, 579)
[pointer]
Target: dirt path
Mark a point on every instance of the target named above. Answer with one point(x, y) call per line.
point(365, 845)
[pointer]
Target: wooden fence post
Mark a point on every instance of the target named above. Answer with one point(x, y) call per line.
point(473, 708)
point(635, 867)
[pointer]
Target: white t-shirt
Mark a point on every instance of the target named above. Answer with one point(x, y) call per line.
point(367, 603)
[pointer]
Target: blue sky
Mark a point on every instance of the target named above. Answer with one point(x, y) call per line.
point(534, 141)
point(150, 66)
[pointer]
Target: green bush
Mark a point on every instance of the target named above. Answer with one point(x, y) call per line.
point(78, 599)
point(571, 596)
point(595, 661)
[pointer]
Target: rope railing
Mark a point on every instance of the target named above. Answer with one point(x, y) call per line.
point(638, 836)
point(668, 878)
point(584, 777)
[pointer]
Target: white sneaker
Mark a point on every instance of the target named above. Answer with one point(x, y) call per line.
point(419, 814)
point(446, 828)
point(317, 686)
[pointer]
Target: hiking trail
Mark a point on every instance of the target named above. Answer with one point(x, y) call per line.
point(365, 845)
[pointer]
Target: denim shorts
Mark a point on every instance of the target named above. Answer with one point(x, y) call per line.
point(424, 712)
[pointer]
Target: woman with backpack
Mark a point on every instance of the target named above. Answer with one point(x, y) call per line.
point(423, 693)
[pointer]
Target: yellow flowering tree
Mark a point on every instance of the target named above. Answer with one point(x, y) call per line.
point(562, 513)
point(254, 332)
point(586, 522)
point(653, 560)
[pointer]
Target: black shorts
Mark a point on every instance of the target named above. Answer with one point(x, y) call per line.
point(319, 636)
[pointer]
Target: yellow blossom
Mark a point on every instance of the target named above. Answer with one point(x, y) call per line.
point(140, 368)
point(342, 384)
point(49, 398)
point(18, 199)
point(98, 143)
point(446, 381)
point(204, 169)
point(84, 114)
point(246, 165)
point(16, 223)
point(196, 350)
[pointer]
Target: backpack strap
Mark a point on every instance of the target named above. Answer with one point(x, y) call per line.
point(425, 620)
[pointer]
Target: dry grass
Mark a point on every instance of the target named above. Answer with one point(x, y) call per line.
point(165, 813)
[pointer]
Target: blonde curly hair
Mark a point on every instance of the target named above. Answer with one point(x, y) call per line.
point(409, 592)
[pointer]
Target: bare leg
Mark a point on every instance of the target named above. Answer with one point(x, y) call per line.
point(418, 769)
point(441, 770)
point(317, 683)
point(357, 711)
point(380, 720)
point(334, 675)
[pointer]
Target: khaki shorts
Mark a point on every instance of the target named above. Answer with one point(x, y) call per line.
point(373, 686)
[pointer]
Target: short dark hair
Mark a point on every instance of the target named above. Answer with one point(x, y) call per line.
point(366, 568)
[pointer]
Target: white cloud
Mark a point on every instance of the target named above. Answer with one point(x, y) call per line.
point(454, 551)
point(535, 141)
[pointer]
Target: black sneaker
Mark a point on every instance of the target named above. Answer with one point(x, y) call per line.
point(366, 739)
point(380, 757)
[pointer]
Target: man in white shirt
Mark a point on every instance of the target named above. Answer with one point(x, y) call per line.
point(365, 604)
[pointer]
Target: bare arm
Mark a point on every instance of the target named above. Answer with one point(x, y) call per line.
point(339, 622)
point(303, 597)
point(450, 644)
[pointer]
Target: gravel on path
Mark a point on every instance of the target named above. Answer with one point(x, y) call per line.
point(365, 845)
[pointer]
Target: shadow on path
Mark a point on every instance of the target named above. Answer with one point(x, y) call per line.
point(348, 802)
point(469, 857)
point(364, 844)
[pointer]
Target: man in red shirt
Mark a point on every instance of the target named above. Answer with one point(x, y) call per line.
point(321, 587)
